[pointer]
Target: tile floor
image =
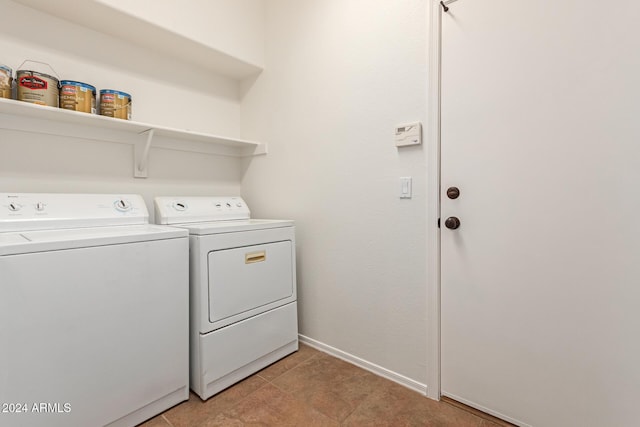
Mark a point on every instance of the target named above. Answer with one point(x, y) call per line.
point(311, 388)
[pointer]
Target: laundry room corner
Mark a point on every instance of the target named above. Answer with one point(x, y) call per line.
point(339, 78)
point(294, 105)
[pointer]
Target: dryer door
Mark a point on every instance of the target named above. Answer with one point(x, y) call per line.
point(249, 280)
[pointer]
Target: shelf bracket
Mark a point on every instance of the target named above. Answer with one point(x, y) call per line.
point(141, 155)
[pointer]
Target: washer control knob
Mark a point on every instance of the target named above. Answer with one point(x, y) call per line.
point(180, 206)
point(122, 205)
point(39, 206)
point(218, 205)
point(239, 204)
point(228, 204)
point(14, 207)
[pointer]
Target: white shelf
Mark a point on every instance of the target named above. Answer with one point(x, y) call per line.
point(108, 20)
point(27, 117)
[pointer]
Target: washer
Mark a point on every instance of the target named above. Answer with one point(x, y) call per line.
point(243, 288)
point(93, 311)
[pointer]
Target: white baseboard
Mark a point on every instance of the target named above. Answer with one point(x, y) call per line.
point(371, 367)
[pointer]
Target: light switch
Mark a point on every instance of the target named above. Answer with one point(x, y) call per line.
point(405, 187)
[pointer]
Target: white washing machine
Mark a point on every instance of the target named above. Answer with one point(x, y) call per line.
point(243, 288)
point(93, 311)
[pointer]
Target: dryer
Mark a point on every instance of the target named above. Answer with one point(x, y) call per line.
point(93, 311)
point(242, 275)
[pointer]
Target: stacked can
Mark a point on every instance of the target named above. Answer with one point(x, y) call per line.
point(77, 96)
point(6, 78)
point(116, 104)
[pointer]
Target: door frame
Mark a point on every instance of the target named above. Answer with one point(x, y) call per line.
point(434, 23)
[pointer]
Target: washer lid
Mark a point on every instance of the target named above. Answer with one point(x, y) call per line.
point(73, 238)
point(217, 227)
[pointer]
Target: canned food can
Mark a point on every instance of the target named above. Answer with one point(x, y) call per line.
point(37, 88)
point(6, 79)
point(77, 96)
point(114, 103)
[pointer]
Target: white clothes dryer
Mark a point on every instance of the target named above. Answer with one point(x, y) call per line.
point(243, 288)
point(93, 311)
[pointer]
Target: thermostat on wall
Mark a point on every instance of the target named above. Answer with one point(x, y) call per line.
point(409, 134)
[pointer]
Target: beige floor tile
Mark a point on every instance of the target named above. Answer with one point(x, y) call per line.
point(278, 368)
point(311, 388)
point(195, 412)
point(270, 406)
point(394, 405)
point(330, 385)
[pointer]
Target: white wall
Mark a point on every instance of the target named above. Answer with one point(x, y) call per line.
point(164, 93)
point(339, 75)
point(235, 27)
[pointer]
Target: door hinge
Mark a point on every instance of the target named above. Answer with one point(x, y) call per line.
point(438, 222)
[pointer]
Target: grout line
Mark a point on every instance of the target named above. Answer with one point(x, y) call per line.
point(307, 405)
point(267, 382)
point(227, 408)
point(166, 420)
point(290, 369)
point(344, 420)
point(476, 412)
point(320, 354)
point(244, 397)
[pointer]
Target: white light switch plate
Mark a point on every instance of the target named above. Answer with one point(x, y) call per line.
point(405, 187)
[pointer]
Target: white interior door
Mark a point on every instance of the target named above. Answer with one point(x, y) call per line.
point(541, 282)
